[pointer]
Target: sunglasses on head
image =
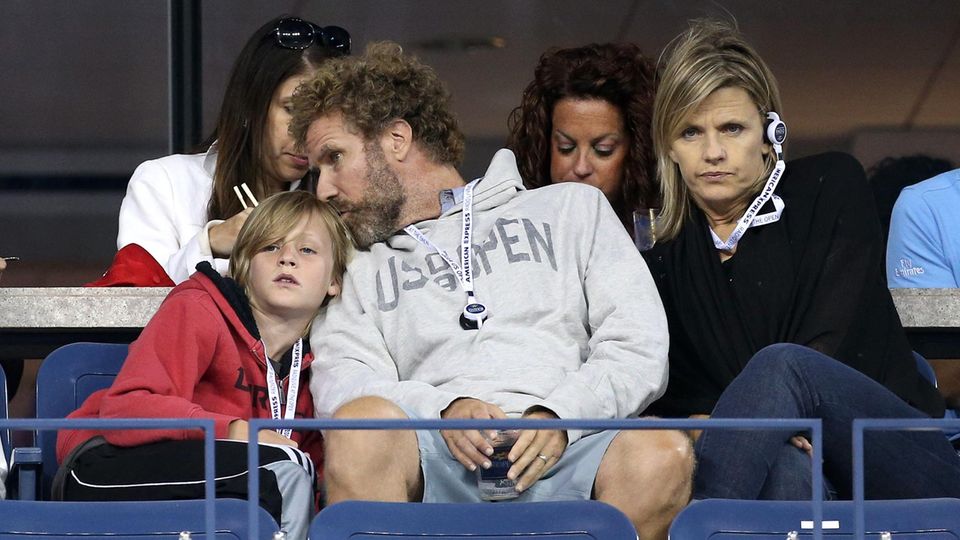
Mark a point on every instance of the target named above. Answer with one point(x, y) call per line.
point(296, 33)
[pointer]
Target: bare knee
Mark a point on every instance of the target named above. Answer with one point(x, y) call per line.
point(353, 444)
point(648, 476)
point(667, 454)
point(641, 459)
point(355, 460)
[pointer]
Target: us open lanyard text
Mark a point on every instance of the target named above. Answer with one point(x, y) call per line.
point(750, 217)
point(293, 387)
point(474, 313)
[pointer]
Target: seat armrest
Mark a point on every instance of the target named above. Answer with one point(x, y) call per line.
point(23, 482)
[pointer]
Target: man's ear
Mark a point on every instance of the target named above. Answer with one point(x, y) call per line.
point(397, 139)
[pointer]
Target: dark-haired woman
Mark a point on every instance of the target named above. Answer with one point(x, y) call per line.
point(586, 117)
point(182, 208)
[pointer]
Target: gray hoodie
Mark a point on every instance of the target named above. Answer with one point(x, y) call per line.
point(576, 324)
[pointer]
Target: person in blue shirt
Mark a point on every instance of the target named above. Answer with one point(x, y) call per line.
point(924, 246)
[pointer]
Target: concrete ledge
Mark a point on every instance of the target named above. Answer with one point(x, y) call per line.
point(36, 320)
point(131, 307)
point(61, 308)
point(928, 308)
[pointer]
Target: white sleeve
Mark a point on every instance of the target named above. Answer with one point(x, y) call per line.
point(626, 367)
point(3, 474)
point(351, 360)
point(152, 216)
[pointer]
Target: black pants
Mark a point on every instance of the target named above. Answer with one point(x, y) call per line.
point(170, 470)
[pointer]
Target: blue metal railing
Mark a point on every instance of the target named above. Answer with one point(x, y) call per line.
point(205, 424)
point(806, 424)
point(860, 426)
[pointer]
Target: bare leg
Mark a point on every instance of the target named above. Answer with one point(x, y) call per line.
point(372, 465)
point(647, 475)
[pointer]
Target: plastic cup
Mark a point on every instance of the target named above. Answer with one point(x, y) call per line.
point(493, 482)
point(645, 227)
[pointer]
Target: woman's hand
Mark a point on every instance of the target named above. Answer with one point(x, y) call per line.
point(239, 430)
point(802, 443)
point(224, 235)
point(695, 433)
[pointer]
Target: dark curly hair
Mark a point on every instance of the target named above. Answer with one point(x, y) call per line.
point(375, 89)
point(616, 73)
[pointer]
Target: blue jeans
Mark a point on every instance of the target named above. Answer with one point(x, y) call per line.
point(792, 381)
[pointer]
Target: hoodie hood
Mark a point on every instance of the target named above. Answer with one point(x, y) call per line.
point(232, 301)
point(504, 183)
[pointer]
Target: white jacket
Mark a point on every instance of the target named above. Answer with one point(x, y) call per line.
point(165, 211)
point(3, 474)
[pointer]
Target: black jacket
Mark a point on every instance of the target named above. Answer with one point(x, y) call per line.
point(815, 278)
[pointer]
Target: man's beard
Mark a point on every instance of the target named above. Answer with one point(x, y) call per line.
point(375, 217)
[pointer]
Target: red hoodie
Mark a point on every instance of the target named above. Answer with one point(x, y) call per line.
point(198, 357)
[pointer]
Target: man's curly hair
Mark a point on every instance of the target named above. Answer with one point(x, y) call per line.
point(616, 73)
point(375, 89)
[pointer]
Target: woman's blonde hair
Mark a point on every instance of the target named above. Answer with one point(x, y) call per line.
point(710, 55)
point(276, 216)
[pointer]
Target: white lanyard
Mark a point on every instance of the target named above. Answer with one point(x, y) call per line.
point(750, 217)
point(293, 387)
point(475, 312)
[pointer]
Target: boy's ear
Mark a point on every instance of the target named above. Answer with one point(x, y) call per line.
point(334, 288)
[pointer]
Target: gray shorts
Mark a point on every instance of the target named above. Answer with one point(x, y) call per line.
point(571, 478)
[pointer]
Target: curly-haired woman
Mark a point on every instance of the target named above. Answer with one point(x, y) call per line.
point(586, 117)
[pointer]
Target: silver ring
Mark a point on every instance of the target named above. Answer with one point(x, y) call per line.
point(543, 457)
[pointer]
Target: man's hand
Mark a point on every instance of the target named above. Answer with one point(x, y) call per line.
point(536, 450)
point(470, 447)
point(239, 430)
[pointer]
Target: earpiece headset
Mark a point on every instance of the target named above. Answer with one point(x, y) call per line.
point(775, 133)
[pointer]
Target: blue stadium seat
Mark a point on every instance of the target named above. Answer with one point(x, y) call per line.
point(726, 519)
point(21, 520)
point(4, 433)
point(66, 377)
point(926, 371)
point(568, 520)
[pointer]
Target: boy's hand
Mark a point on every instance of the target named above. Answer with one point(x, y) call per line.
point(239, 430)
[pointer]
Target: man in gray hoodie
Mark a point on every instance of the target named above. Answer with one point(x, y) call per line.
point(477, 300)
